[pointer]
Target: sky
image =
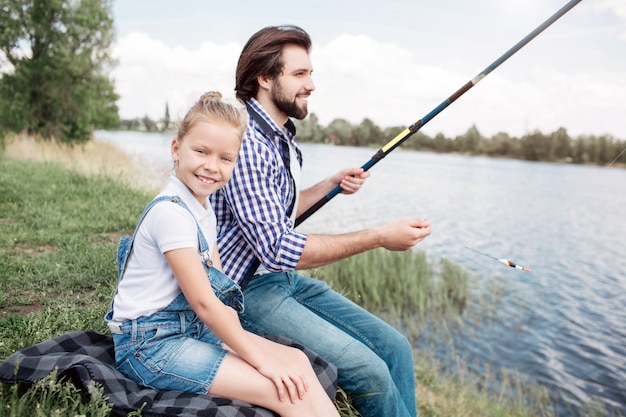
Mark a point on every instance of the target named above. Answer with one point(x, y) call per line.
point(391, 61)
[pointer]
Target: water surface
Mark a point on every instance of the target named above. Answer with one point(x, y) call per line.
point(564, 324)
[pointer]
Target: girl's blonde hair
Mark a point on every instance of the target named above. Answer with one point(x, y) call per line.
point(211, 108)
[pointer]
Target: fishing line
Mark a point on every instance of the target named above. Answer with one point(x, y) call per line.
point(504, 261)
point(616, 158)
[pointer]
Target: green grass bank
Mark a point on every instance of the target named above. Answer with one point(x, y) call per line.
point(60, 222)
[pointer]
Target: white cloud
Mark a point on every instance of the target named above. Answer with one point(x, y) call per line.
point(358, 77)
point(151, 73)
point(616, 7)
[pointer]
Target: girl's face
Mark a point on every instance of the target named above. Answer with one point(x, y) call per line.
point(206, 157)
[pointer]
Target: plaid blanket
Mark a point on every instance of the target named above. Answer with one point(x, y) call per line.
point(86, 356)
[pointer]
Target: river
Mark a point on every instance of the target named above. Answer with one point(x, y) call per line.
point(563, 325)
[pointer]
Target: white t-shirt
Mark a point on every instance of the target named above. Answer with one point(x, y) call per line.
point(149, 285)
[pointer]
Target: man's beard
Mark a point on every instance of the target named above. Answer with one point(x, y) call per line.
point(290, 108)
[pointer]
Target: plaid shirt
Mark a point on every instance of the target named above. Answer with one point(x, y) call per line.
point(251, 209)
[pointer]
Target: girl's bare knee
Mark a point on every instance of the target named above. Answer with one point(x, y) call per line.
point(301, 357)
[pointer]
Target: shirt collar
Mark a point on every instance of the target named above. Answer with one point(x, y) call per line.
point(254, 105)
point(176, 187)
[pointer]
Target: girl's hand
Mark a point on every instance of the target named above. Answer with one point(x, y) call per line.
point(287, 379)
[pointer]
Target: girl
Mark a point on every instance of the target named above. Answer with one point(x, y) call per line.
point(173, 328)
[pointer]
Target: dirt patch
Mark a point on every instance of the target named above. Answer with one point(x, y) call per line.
point(38, 250)
point(109, 238)
point(20, 310)
point(20, 304)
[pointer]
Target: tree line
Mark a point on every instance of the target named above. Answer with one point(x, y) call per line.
point(54, 83)
point(557, 146)
point(54, 68)
point(146, 124)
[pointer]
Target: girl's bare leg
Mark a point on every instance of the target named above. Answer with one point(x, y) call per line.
point(239, 380)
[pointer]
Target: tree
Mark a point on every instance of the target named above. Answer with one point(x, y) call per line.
point(342, 130)
point(166, 118)
point(470, 142)
point(534, 146)
point(441, 143)
point(149, 124)
point(309, 129)
point(562, 144)
point(54, 68)
point(498, 145)
point(367, 133)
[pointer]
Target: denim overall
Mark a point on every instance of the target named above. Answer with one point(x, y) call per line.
point(172, 349)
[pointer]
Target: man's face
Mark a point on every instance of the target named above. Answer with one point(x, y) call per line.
point(291, 89)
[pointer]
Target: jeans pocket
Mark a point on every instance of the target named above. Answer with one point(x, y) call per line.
point(159, 347)
point(130, 372)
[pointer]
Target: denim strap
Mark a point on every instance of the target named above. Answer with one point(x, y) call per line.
point(284, 153)
point(126, 242)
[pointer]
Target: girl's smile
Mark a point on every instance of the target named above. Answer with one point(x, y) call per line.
point(205, 157)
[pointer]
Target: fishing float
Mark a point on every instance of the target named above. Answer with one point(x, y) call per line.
point(504, 261)
point(408, 132)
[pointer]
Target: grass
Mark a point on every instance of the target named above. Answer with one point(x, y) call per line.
point(405, 285)
point(61, 214)
point(52, 397)
point(59, 226)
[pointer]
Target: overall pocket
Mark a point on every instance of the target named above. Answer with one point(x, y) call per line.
point(226, 289)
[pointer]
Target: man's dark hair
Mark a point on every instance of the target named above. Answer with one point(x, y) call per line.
point(262, 55)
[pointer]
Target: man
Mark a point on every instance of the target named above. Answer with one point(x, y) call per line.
point(260, 249)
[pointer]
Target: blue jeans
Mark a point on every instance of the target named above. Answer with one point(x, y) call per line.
point(173, 349)
point(374, 361)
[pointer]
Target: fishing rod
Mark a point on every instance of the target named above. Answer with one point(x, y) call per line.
point(408, 132)
point(504, 261)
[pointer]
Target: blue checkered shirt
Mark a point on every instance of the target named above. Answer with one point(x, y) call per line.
point(251, 209)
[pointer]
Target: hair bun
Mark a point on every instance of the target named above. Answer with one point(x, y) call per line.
point(211, 95)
